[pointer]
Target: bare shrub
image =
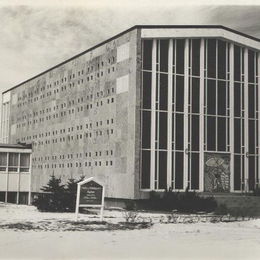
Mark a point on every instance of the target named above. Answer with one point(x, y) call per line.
point(130, 216)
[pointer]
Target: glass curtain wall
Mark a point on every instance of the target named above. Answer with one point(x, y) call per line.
point(159, 138)
point(161, 113)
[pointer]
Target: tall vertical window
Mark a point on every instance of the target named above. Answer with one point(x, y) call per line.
point(13, 162)
point(161, 107)
point(146, 112)
point(253, 142)
point(3, 161)
point(178, 115)
point(193, 114)
point(24, 162)
point(217, 110)
point(239, 120)
point(160, 111)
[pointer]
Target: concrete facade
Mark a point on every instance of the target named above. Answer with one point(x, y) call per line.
point(84, 116)
point(80, 118)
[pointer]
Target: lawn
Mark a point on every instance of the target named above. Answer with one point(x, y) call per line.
point(29, 234)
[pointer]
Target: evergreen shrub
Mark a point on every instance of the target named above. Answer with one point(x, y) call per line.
point(256, 191)
point(57, 197)
point(186, 202)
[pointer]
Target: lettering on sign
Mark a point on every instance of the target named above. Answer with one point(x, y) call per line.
point(91, 193)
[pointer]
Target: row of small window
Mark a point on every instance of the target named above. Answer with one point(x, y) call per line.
point(48, 94)
point(71, 137)
point(89, 135)
point(49, 118)
point(70, 129)
point(32, 99)
point(70, 103)
point(15, 162)
point(62, 113)
point(89, 69)
point(70, 156)
point(81, 81)
point(36, 113)
point(77, 164)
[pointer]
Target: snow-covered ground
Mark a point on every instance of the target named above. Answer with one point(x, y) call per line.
point(235, 240)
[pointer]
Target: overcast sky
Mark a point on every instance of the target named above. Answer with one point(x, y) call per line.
point(34, 37)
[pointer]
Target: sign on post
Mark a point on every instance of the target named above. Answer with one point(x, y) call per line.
point(90, 194)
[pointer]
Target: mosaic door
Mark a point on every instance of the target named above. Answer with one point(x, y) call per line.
point(217, 172)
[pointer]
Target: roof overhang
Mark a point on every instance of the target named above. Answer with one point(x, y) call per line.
point(20, 148)
point(221, 33)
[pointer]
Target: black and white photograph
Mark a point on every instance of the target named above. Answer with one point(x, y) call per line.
point(129, 129)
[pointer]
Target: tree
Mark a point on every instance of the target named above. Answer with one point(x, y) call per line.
point(57, 197)
point(72, 185)
point(54, 185)
point(53, 196)
point(71, 192)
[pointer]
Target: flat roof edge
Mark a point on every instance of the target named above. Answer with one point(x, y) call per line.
point(128, 30)
point(16, 146)
point(199, 27)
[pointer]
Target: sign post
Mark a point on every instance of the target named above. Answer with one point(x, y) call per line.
point(90, 194)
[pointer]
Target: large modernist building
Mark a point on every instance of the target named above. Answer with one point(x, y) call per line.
point(154, 107)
